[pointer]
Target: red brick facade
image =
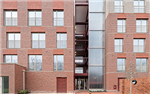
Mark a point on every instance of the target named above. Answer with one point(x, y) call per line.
point(38, 81)
point(111, 74)
point(142, 86)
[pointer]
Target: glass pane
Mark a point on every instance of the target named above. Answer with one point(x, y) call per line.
point(138, 22)
point(136, 3)
point(31, 14)
point(10, 36)
point(120, 22)
point(96, 5)
point(8, 22)
point(54, 22)
point(144, 22)
point(17, 43)
point(38, 14)
point(54, 14)
point(117, 49)
point(35, 44)
point(14, 14)
point(60, 60)
point(136, 48)
point(58, 36)
point(42, 43)
point(31, 62)
point(117, 42)
point(31, 21)
point(63, 36)
point(144, 61)
point(138, 68)
point(96, 77)
point(138, 62)
point(60, 14)
point(31, 58)
point(96, 56)
point(97, 18)
point(38, 62)
point(96, 39)
point(5, 85)
point(141, 3)
point(38, 21)
point(17, 36)
point(135, 41)
point(138, 28)
point(55, 60)
point(14, 59)
point(14, 22)
point(8, 59)
point(141, 41)
point(8, 14)
point(119, 68)
point(60, 22)
point(119, 62)
point(34, 36)
point(117, 3)
point(11, 44)
point(42, 36)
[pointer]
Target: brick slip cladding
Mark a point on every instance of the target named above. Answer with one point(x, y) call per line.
point(111, 56)
point(142, 86)
point(45, 80)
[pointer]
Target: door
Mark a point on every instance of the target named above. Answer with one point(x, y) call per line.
point(5, 85)
point(119, 83)
point(61, 85)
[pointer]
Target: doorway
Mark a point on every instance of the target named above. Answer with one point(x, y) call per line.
point(81, 83)
point(4, 85)
point(61, 85)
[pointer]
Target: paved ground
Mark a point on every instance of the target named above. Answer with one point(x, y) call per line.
point(86, 92)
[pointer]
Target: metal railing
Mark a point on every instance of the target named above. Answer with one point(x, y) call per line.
point(81, 69)
point(11, 21)
point(35, 21)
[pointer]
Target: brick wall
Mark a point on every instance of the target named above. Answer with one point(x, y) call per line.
point(111, 56)
point(45, 80)
point(142, 86)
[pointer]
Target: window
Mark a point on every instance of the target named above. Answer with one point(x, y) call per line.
point(139, 6)
point(35, 18)
point(121, 64)
point(121, 26)
point(118, 4)
point(5, 85)
point(38, 40)
point(61, 40)
point(11, 59)
point(141, 26)
point(79, 70)
point(58, 18)
point(138, 45)
point(58, 62)
point(13, 40)
point(11, 18)
point(35, 62)
point(118, 45)
point(141, 65)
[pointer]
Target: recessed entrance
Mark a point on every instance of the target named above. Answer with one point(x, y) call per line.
point(4, 85)
point(81, 83)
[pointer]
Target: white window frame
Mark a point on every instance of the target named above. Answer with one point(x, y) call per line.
point(120, 7)
point(11, 17)
point(138, 46)
point(139, 7)
point(11, 58)
point(34, 17)
point(60, 41)
point(13, 40)
point(35, 69)
point(141, 26)
point(142, 65)
point(123, 62)
point(57, 62)
point(38, 41)
point(120, 40)
point(123, 26)
point(56, 18)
